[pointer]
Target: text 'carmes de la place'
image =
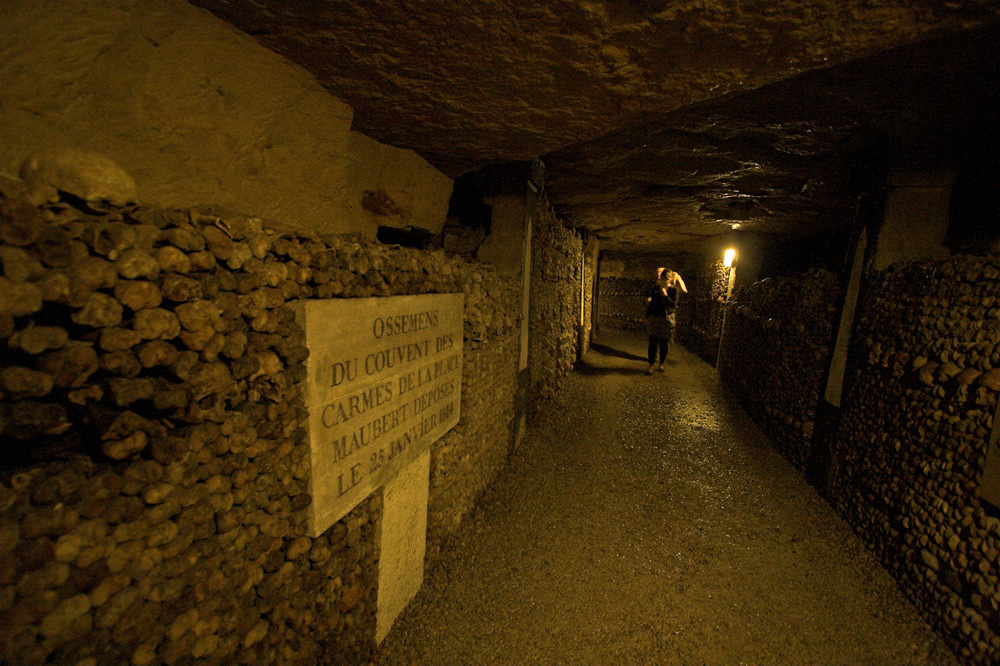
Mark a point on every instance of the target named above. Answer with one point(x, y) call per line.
point(405, 405)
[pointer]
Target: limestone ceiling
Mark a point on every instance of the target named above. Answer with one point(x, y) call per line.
point(778, 159)
point(661, 121)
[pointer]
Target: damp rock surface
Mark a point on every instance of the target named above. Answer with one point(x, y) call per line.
point(646, 520)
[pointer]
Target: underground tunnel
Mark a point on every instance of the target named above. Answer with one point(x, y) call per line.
point(325, 331)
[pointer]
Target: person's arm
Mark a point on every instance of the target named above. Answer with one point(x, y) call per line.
point(680, 281)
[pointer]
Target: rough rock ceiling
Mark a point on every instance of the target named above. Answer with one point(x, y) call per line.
point(660, 120)
point(779, 159)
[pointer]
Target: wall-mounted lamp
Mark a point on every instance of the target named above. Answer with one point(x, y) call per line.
point(729, 257)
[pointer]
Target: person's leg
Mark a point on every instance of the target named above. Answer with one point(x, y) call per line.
point(668, 335)
point(651, 352)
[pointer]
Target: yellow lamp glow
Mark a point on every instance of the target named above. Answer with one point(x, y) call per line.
point(730, 255)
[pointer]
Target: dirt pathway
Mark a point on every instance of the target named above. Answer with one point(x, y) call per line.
point(645, 520)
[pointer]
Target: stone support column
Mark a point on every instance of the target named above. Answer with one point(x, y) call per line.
point(523, 371)
point(403, 542)
point(838, 359)
point(916, 217)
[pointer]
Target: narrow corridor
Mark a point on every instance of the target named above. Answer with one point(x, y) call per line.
point(645, 520)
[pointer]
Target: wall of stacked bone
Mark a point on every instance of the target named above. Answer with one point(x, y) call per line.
point(920, 399)
point(622, 303)
point(154, 495)
point(910, 445)
point(699, 314)
point(775, 352)
point(555, 301)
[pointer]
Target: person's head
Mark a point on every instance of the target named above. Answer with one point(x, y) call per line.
point(666, 275)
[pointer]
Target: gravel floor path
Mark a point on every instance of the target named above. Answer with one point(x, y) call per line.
point(645, 520)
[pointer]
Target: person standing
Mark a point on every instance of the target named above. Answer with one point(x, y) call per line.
point(661, 317)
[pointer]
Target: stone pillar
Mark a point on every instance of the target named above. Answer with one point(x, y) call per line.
point(508, 248)
point(523, 372)
point(838, 359)
point(504, 247)
point(916, 217)
point(914, 222)
point(403, 541)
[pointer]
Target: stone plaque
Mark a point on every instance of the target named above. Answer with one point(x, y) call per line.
point(384, 381)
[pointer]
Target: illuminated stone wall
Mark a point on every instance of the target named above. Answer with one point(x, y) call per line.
point(196, 112)
point(155, 477)
point(467, 458)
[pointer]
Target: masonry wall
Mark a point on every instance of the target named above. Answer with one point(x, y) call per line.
point(920, 397)
point(775, 351)
point(197, 112)
point(154, 483)
point(555, 301)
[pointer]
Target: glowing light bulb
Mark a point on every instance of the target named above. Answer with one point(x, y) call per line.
point(730, 255)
